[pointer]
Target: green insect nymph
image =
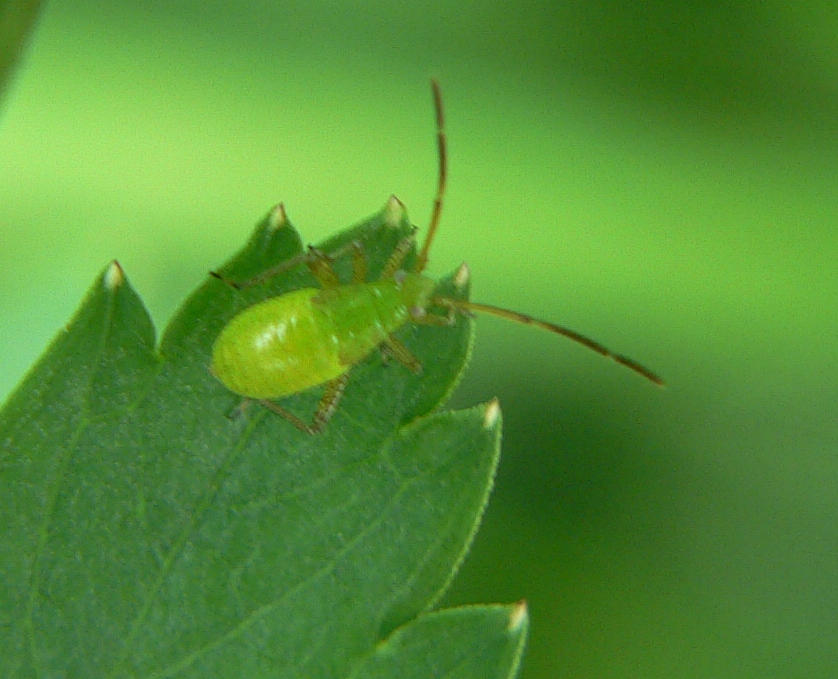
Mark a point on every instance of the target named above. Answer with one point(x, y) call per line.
point(310, 336)
point(314, 336)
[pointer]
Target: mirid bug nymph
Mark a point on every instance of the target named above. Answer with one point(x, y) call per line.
point(314, 336)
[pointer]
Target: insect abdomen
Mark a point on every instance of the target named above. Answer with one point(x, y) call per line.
point(303, 338)
point(276, 348)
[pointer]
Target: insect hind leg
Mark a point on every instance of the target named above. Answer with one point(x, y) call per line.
point(325, 409)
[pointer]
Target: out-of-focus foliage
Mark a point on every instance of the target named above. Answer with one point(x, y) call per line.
point(16, 20)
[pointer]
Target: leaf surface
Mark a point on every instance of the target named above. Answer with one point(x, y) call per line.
point(474, 641)
point(154, 529)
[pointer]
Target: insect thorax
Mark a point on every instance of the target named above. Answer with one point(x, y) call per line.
point(415, 289)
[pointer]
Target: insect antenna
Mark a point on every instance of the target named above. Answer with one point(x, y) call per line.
point(508, 314)
point(422, 259)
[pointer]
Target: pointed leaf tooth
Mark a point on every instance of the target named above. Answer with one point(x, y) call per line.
point(114, 276)
point(277, 217)
point(518, 617)
point(394, 212)
point(462, 277)
point(492, 413)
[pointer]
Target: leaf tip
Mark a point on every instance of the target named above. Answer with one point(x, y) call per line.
point(462, 276)
point(518, 616)
point(491, 415)
point(394, 212)
point(114, 276)
point(277, 217)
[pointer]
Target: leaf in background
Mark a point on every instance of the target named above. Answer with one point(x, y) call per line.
point(16, 20)
point(473, 641)
point(147, 533)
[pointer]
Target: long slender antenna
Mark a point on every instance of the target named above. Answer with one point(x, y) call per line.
point(422, 259)
point(518, 317)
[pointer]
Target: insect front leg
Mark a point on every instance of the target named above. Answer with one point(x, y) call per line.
point(325, 409)
point(265, 275)
point(394, 263)
point(311, 257)
point(320, 265)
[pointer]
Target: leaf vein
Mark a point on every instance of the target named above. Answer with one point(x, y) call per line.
point(201, 507)
point(259, 613)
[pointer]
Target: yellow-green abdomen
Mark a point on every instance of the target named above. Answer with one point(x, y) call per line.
point(303, 338)
point(277, 347)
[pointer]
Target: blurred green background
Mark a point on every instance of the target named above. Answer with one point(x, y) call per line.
point(661, 177)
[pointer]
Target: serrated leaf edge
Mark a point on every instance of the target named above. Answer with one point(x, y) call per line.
point(518, 625)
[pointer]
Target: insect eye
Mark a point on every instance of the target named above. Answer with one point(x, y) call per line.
point(399, 276)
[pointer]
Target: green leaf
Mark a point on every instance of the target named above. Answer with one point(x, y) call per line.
point(152, 529)
point(16, 20)
point(476, 641)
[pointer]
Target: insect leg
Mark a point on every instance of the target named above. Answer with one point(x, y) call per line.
point(325, 409)
point(287, 414)
point(285, 265)
point(267, 274)
point(402, 354)
point(320, 264)
point(329, 402)
point(321, 268)
point(399, 253)
point(359, 263)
